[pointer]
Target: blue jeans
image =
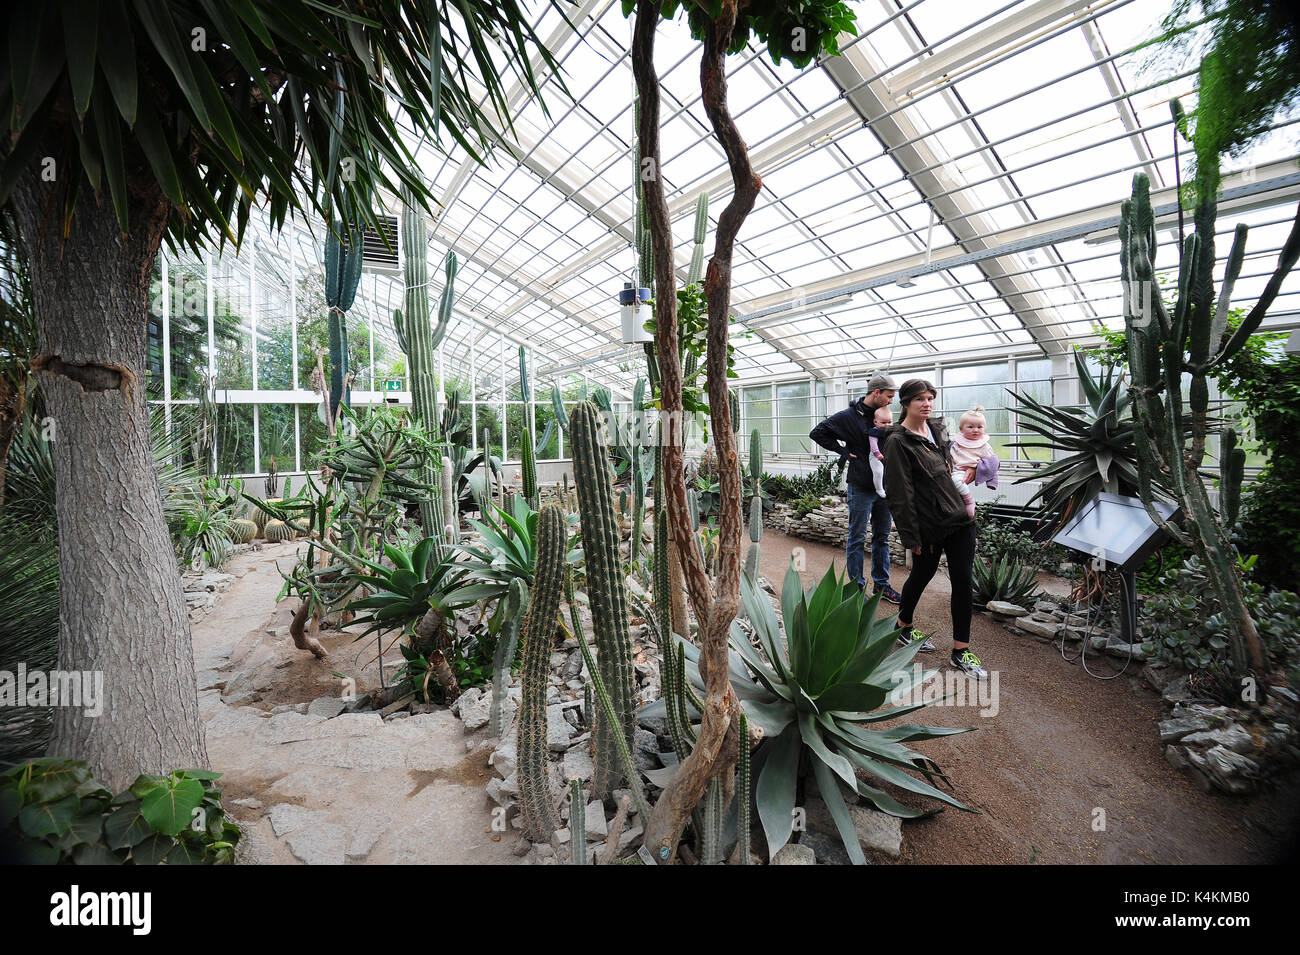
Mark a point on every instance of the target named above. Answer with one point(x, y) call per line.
point(864, 505)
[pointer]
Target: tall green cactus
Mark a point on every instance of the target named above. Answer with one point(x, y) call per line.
point(1163, 348)
point(606, 588)
point(535, 796)
point(755, 535)
point(743, 793)
point(696, 270)
point(507, 640)
point(342, 275)
point(756, 461)
point(419, 339)
point(577, 822)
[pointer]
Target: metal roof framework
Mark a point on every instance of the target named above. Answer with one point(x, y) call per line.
point(947, 187)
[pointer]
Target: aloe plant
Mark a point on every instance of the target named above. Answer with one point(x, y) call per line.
point(1003, 579)
point(1095, 440)
point(816, 692)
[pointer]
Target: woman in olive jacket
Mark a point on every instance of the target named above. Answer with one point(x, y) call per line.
point(931, 517)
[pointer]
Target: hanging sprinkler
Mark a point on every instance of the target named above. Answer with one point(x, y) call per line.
point(634, 311)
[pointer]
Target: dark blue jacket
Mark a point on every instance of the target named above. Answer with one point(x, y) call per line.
point(846, 432)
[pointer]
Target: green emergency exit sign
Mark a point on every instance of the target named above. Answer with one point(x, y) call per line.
point(392, 384)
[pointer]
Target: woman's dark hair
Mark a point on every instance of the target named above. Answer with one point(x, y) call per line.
point(914, 387)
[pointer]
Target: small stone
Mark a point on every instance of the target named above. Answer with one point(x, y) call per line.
point(878, 831)
point(1175, 729)
point(545, 850)
point(562, 836)
point(594, 818)
point(619, 794)
point(578, 763)
point(326, 706)
point(1176, 691)
point(1232, 737)
point(1174, 756)
point(504, 758)
point(522, 847)
point(249, 803)
point(795, 854)
point(1038, 628)
point(829, 850)
point(1046, 606)
point(558, 730)
point(468, 698)
point(1006, 608)
point(286, 817)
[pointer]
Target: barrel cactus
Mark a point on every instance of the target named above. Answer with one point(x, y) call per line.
point(242, 530)
point(277, 532)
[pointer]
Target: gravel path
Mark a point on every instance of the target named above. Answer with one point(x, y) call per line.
point(1064, 756)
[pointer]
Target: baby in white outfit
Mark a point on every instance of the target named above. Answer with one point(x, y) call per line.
point(967, 449)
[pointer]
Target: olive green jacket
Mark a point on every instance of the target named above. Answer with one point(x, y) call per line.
point(918, 478)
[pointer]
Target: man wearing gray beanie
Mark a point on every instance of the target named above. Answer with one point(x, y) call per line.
point(846, 433)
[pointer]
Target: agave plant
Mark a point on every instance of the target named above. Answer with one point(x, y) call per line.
point(420, 579)
point(1004, 578)
point(816, 692)
point(1096, 441)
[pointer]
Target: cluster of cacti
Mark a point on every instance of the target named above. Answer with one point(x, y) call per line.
point(242, 530)
point(1166, 349)
point(536, 798)
point(342, 275)
point(277, 532)
point(606, 589)
point(419, 337)
point(516, 610)
point(608, 716)
point(577, 823)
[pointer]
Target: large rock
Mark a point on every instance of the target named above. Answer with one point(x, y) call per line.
point(1176, 691)
point(878, 831)
point(286, 817)
point(794, 854)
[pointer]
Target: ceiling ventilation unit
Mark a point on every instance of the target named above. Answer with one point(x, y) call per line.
point(380, 253)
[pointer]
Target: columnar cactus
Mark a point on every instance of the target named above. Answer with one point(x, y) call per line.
point(755, 535)
point(535, 796)
point(756, 462)
point(507, 640)
point(419, 339)
point(450, 506)
point(743, 792)
point(606, 588)
point(577, 823)
point(342, 275)
point(1162, 350)
point(696, 270)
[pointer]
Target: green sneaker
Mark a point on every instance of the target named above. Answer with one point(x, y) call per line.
point(967, 661)
point(926, 647)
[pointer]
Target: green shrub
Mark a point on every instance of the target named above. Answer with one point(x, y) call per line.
point(998, 538)
point(1183, 624)
point(821, 482)
point(805, 505)
point(53, 811)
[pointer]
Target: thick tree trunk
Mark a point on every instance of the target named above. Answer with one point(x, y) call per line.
point(122, 611)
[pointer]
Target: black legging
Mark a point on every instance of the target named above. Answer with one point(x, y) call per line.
point(959, 546)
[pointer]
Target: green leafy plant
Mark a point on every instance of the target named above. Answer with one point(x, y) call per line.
point(1184, 625)
point(208, 530)
point(1005, 578)
point(509, 548)
point(824, 480)
point(998, 537)
point(814, 692)
point(53, 811)
point(419, 580)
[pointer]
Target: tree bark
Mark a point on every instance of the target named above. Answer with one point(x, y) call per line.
point(122, 611)
point(716, 747)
